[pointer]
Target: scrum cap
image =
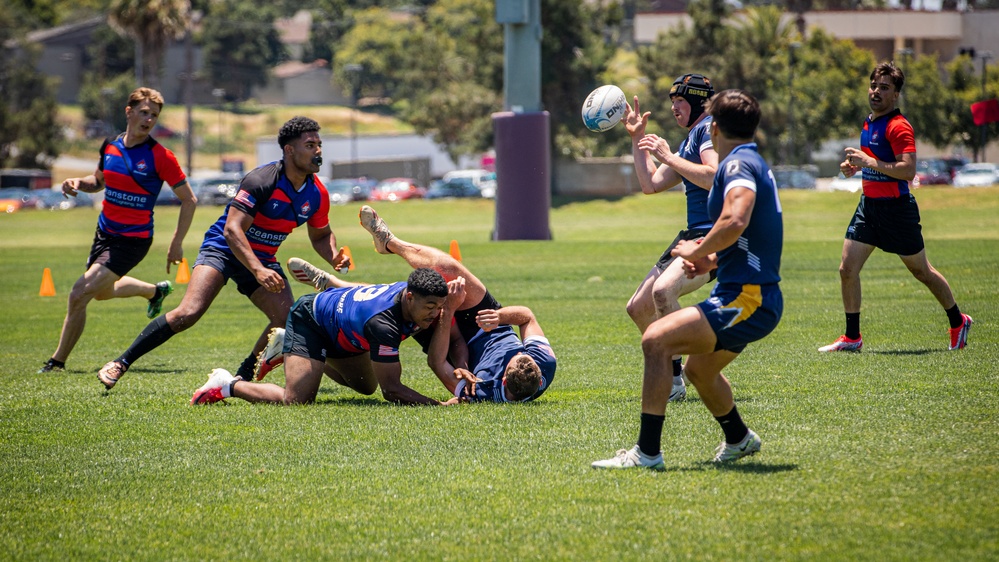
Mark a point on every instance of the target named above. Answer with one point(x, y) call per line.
point(696, 89)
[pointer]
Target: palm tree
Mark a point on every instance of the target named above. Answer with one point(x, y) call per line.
point(152, 23)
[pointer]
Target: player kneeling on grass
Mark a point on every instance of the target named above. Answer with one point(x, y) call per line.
point(473, 349)
point(745, 305)
point(352, 335)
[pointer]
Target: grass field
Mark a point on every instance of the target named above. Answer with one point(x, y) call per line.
point(884, 455)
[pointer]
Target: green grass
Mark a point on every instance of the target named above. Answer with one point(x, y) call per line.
point(884, 455)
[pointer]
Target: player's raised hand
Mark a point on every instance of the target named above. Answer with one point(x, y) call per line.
point(634, 120)
point(455, 293)
point(487, 319)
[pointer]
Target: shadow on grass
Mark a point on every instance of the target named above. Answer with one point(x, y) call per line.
point(746, 467)
point(905, 351)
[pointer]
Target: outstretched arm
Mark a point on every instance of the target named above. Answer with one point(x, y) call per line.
point(519, 316)
point(188, 203)
point(389, 377)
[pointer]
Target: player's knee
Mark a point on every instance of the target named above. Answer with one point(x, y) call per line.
point(666, 299)
point(846, 272)
point(654, 342)
point(181, 319)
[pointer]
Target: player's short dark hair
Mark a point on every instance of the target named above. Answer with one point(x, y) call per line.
point(295, 128)
point(736, 112)
point(893, 73)
point(523, 377)
point(426, 282)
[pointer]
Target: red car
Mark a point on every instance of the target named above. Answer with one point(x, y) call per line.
point(397, 189)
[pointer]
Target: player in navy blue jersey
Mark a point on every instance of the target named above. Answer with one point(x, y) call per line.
point(473, 349)
point(351, 334)
point(132, 170)
point(272, 200)
point(693, 165)
point(744, 245)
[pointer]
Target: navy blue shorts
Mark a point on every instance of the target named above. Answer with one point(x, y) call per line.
point(231, 268)
point(742, 314)
point(118, 253)
point(303, 336)
point(889, 224)
point(692, 234)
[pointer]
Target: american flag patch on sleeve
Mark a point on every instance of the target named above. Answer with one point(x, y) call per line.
point(245, 198)
point(387, 351)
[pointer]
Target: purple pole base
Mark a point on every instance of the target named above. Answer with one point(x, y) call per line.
point(523, 175)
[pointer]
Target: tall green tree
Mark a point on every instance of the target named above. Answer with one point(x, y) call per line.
point(29, 133)
point(240, 44)
point(966, 84)
point(152, 24)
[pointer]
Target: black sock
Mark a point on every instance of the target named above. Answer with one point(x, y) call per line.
point(651, 434)
point(731, 423)
point(154, 335)
point(56, 363)
point(245, 370)
point(955, 316)
point(853, 325)
point(677, 367)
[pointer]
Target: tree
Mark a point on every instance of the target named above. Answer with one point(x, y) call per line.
point(966, 84)
point(29, 133)
point(152, 24)
point(240, 45)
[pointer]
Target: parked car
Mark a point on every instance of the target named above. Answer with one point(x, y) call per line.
point(13, 199)
point(852, 184)
point(397, 189)
point(931, 172)
point(359, 188)
point(341, 191)
point(795, 177)
point(56, 201)
point(483, 180)
point(455, 187)
point(977, 175)
point(216, 189)
point(954, 163)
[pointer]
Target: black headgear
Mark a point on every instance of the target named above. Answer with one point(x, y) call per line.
point(696, 89)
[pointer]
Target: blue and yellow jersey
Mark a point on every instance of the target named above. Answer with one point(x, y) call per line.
point(490, 352)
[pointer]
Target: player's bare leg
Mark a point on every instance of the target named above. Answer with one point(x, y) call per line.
point(98, 280)
point(929, 276)
point(354, 373)
point(641, 306)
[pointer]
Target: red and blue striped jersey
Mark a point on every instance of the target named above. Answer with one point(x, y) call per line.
point(133, 177)
point(277, 208)
point(884, 138)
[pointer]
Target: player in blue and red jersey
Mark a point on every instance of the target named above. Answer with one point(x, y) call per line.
point(693, 165)
point(131, 171)
point(272, 200)
point(352, 335)
point(887, 216)
point(745, 246)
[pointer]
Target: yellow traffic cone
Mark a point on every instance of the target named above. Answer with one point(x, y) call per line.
point(183, 273)
point(455, 251)
point(48, 287)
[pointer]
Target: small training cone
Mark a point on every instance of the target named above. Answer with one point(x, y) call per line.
point(183, 272)
point(346, 252)
point(455, 251)
point(48, 287)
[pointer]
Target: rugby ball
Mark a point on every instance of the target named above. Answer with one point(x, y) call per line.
point(603, 108)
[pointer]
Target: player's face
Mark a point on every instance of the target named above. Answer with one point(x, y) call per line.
point(303, 149)
point(681, 110)
point(881, 95)
point(424, 310)
point(142, 118)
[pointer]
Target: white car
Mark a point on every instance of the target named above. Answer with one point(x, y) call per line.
point(977, 175)
point(851, 184)
point(484, 180)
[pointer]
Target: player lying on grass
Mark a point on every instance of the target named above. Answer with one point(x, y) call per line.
point(352, 335)
point(475, 333)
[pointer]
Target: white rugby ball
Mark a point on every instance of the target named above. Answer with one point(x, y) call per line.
point(603, 108)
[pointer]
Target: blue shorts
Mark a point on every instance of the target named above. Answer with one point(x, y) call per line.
point(303, 336)
point(231, 268)
point(741, 314)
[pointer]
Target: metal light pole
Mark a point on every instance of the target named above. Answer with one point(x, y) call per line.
point(905, 54)
point(354, 71)
point(219, 93)
point(985, 56)
point(790, 101)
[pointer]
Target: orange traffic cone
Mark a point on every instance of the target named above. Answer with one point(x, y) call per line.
point(48, 287)
point(346, 253)
point(183, 273)
point(455, 251)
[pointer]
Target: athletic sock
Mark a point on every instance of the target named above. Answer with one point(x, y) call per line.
point(677, 368)
point(56, 363)
point(731, 423)
point(955, 316)
point(228, 388)
point(154, 335)
point(853, 325)
point(245, 370)
point(651, 434)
